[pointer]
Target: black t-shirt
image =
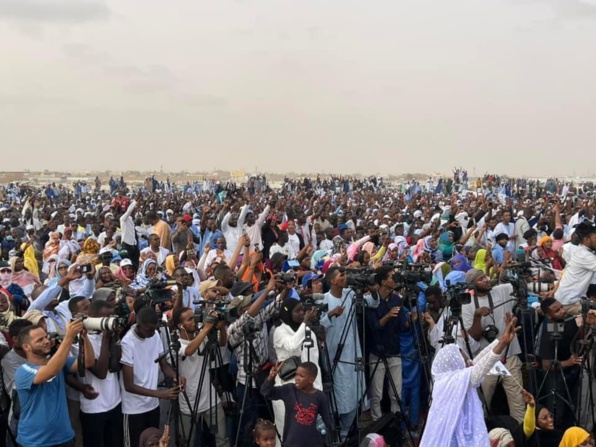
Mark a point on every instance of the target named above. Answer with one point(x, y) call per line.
point(300, 427)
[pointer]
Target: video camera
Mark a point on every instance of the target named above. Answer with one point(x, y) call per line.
point(457, 295)
point(158, 292)
point(409, 275)
point(359, 277)
point(310, 304)
point(517, 275)
point(204, 311)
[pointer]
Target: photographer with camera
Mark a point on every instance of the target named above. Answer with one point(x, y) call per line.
point(579, 271)
point(567, 331)
point(40, 385)
point(484, 319)
point(101, 412)
point(435, 317)
point(386, 322)
point(247, 338)
point(141, 347)
point(193, 342)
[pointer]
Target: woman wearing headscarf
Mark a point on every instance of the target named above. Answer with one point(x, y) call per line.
point(145, 275)
point(427, 247)
point(89, 253)
point(460, 263)
point(576, 437)
point(555, 259)
point(288, 341)
point(484, 262)
point(21, 277)
point(126, 272)
point(52, 246)
point(501, 437)
point(545, 433)
point(7, 311)
point(456, 416)
point(446, 244)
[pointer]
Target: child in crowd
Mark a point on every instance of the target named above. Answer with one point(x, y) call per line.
point(264, 433)
point(303, 404)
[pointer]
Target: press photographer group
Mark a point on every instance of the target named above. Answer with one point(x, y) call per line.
point(311, 315)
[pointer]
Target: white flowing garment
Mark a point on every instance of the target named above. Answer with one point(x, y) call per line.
point(456, 417)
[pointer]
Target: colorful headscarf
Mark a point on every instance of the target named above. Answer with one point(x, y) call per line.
point(460, 263)
point(573, 437)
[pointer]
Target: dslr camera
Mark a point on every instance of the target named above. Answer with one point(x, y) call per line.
point(310, 304)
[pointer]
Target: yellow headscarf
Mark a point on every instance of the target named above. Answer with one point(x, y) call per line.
point(170, 264)
point(480, 260)
point(573, 437)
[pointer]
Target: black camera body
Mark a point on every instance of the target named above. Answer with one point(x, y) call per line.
point(490, 332)
point(360, 278)
point(205, 310)
point(409, 275)
point(309, 304)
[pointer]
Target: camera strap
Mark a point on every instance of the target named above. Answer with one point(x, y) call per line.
point(491, 304)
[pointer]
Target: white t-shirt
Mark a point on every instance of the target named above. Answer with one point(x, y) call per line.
point(140, 353)
point(108, 388)
point(499, 294)
point(190, 367)
point(577, 276)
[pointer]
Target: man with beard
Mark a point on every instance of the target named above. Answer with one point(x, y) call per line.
point(40, 385)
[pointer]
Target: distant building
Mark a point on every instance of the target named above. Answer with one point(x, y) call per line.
point(14, 176)
point(238, 176)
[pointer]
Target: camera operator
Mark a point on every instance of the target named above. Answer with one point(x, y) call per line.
point(484, 319)
point(252, 322)
point(579, 271)
point(435, 317)
point(345, 377)
point(387, 321)
point(192, 357)
point(40, 385)
point(569, 332)
point(101, 412)
point(141, 346)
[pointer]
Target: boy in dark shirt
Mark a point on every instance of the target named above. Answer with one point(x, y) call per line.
point(303, 403)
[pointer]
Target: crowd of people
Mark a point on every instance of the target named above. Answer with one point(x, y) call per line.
point(227, 315)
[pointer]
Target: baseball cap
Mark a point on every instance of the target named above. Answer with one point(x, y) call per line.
point(125, 262)
point(310, 276)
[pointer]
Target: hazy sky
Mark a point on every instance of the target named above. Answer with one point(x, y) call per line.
point(384, 86)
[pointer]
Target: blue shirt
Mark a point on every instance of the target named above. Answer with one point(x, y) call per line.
point(44, 419)
point(384, 341)
point(498, 254)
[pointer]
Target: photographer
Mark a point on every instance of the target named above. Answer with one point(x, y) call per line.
point(579, 271)
point(141, 346)
point(101, 411)
point(435, 317)
point(40, 385)
point(251, 323)
point(387, 321)
point(192, 357)
point(568, 332)
point(484, 319)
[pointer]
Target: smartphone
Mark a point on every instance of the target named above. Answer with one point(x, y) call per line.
point(85, 268)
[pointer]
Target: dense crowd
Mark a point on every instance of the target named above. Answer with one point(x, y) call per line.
point(211, 313)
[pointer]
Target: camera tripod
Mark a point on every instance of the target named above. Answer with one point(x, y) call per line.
point(249, 355)
point(585, 409)
point(173, 414)
point(555, 369)
point(326, 377)
point(355, 321)
point(210, 353)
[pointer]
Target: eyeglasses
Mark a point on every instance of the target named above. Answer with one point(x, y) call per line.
point(5, 270)
point(547, 417)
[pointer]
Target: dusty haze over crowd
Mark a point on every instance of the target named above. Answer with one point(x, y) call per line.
point(350, 86)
